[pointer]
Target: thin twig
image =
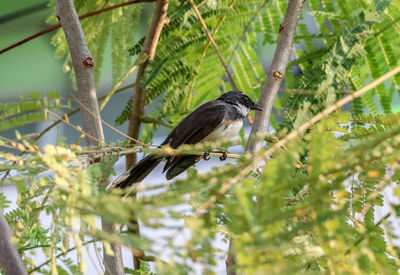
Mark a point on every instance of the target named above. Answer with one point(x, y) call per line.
point(55, 27)
point(108, 125)
point(199, 63)
point(146, 119)
point(149, 48)
point(36, 268)
point(245, 29)
point(116, 86)
point(362, 237)
point(77, 128)
point(196, 10)
point(211, 39)
point(59, 121)
point(77, 110)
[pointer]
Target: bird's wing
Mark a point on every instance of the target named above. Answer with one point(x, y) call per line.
point(197, 125)
point(193, 129)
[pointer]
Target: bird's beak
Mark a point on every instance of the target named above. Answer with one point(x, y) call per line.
point(256, 107)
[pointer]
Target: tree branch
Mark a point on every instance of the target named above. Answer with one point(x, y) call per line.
point(139, 97)
point(98, 153)
point(55, 27)
point(269, 91)
point(83, 68)
point(275, 75)
point(10, 261)
point(149, 48)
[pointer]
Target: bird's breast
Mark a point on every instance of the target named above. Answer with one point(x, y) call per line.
point(226, 130)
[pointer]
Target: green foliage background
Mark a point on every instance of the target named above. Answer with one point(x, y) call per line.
point(309, 209)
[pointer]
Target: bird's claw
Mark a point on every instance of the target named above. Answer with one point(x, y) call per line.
point(224, 156)
point(206, 156)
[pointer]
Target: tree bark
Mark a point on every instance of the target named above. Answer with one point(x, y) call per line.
point(10, 261)
point(269, 91)
point(149, 48)
point(275, 75)
point(230, 261)
point(83, 68)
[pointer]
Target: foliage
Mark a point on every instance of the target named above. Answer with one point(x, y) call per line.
point(29, 109)
point(311, 207)
point(317, 212)
point(119, 25)
point(185, 61)
point(354, 46)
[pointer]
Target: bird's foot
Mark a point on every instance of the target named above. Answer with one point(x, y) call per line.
point(206, 156)
point(224, 155)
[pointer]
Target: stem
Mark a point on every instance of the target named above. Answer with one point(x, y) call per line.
point(275, 75)
point(75, 111)
point(362, 237)
point(145, 119)
point(211, 39)
point(109, 125)
point(203, 55)
point(36, 268)
point(196, 10)
point(83, 68)
point(163, 151)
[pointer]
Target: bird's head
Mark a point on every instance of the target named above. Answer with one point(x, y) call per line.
point(240, 99)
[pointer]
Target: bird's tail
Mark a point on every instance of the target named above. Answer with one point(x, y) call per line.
point(136, 173)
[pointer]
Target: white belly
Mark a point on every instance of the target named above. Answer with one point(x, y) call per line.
point(225, 131)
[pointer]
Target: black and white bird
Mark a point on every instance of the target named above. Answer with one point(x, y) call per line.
point(216, 120)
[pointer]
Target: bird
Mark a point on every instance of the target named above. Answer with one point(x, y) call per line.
point(216, 120)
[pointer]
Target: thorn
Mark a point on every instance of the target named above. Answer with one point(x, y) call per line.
point(88, 62)
point(281, 27)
